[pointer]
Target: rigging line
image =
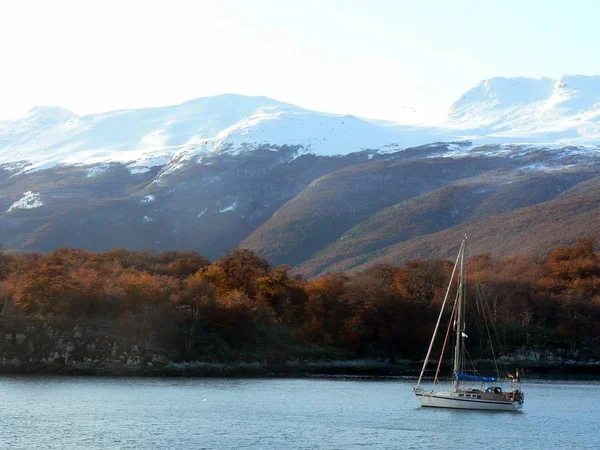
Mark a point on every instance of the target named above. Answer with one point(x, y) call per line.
point(484, 298)
point(473, 368)
point(494, 327)
point(437, 371)
point(481, 312)
point(501, 345)
point(476, 318)
point(481, 299)
point(439, 317)
point(406, 411)
point(485, 321)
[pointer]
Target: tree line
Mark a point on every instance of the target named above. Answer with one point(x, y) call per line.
point(241, 307)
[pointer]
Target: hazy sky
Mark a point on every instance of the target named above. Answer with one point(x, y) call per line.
point(368, 58)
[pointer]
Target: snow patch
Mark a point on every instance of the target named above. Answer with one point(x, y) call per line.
point(228, 208)
point(30, 200)
point(543, 167)
point(96, 170)
point(147, 199)
point(138, 170)
point(315, 133)
point(145, 162)
point(15, 167)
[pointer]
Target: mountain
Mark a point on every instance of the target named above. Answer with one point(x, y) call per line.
point(152, 137)
point(500, 110)
point(563, 111)
point(14, 134)
point(145, 136)
point(316, 190)
point(331, 205)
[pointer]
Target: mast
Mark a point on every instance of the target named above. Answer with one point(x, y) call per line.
point(438, 321)
point(459, 316)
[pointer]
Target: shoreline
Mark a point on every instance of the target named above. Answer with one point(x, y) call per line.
point(198, 369)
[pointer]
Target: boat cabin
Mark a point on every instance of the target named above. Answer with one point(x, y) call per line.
point(494, 390)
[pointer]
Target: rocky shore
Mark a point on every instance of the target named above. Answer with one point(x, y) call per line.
point(70, 348)
point(159, 367)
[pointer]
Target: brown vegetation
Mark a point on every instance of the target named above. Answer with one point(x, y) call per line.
point(240, 307)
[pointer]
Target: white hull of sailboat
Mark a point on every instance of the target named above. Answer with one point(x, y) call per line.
point(448, 400)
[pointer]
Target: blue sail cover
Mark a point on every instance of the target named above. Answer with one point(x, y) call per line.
point(461, 376)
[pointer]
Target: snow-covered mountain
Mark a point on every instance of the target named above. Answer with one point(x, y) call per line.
point(50, 136)
point(152, 136)
point(499, 110)
point(563, 111)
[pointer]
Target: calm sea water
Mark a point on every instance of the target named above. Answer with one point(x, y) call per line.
point(328, 413)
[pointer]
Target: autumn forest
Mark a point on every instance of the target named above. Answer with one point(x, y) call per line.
point(240, 308)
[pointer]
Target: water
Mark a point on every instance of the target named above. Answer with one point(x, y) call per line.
point(328, 413)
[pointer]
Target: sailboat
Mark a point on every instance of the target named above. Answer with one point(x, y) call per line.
point(463, 394)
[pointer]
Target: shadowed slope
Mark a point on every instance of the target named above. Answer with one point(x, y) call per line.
point(483, 196)
point(537, 228)
point(333, 204)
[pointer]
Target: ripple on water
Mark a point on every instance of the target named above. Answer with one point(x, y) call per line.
point(329, 413)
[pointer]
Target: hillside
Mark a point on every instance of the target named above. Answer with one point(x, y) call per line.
point(315, 190)
point(466, 201)
point(531, 230)
point(331, 205)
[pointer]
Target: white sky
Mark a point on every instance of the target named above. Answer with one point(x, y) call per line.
point(369, 58)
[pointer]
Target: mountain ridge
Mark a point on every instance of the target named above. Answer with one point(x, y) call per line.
point(564, 111)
